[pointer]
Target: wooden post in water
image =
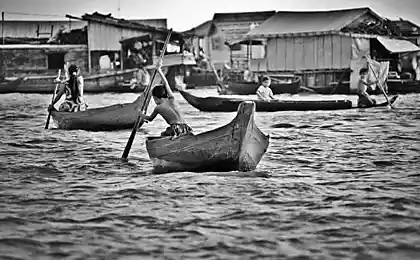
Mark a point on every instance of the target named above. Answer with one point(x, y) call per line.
point(2, 70)
point(2, 27)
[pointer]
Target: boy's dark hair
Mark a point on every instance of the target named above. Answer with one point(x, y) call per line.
point(265, 78)
point(363, 70)
point(72, 68)
point(159, 91)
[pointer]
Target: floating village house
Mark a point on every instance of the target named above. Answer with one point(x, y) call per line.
point(407, 29)
point(216, 37)
point(26, 49)
point(321, 45)
point(43, 47)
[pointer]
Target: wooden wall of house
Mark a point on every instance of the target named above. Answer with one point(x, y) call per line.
point(103, 37)
point(327, 52)
point(43, 61)
point(234, 29)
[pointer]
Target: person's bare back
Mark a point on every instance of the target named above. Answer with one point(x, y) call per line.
point(169, 110)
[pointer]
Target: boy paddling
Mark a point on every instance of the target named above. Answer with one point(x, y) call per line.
point(362, 88)
point(168, 108)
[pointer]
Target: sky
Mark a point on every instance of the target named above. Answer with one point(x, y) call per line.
point(185, 14)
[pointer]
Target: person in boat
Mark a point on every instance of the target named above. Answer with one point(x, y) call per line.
point(264, 91)
point(362, 87)
point(73, 91)
point(179, 78)
point(141, 78)
point(168, 108)
point(248, 77)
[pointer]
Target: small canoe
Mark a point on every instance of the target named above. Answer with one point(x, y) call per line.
point(10, 86)
point(222, 104)
point(250, 88)
point(237, 146)
point(115, 117)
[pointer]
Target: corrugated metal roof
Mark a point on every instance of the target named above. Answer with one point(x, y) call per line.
point(236, 25)
point(398, 46)
point(159, 23)
point(122, 23)
point(300, 22)
point(233, 25)
point(243, 16)
point(36, 28)
point(201, 30)
point(406, 27)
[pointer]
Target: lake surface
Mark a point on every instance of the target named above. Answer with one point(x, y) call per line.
point(332, 185)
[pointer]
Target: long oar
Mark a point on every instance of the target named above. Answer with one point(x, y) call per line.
point(52, 100)
point(145, 103)
point(379, 84)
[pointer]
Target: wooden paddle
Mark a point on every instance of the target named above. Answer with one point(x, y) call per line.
point(219, 80)
point(379, 84)
point(145, 104)
point(52, 100)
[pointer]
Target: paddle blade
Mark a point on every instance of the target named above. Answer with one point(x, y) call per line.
point(48, 120)
point(130, 141)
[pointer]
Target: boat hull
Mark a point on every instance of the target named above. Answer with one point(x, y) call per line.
point(237, 146)
point(115, 117)
point(222, 104)
point(395, 86)
point(402, 86)
point(10, 86)
point(92, 84)
point(250, 88)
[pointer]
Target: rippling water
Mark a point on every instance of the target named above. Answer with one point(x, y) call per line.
point(332, 185)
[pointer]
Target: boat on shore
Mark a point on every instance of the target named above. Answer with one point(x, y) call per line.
point(278, 86)
point(110, 118)
point(224, 104)
point(10, 86)
point(237, 146)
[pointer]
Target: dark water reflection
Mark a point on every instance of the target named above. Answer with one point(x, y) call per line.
point(333, 185)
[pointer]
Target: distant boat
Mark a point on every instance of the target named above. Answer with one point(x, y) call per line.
point(10, 86)
point(278, 86)
point(395, 86)
point(98, 83)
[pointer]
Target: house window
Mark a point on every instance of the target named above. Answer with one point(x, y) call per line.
point(236, 47)
point(55, 61)
point(258, 52)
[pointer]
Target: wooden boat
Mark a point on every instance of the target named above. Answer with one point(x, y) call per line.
point(324, 90)
point(222, 104)
point(403, 86)
point(395, 86)
point(10, 86)
point(291, 86)
point(200, 78)
point(237, 146)
point(115, 117)
point(92, 84)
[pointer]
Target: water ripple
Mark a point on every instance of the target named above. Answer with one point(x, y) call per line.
point(332, 185)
